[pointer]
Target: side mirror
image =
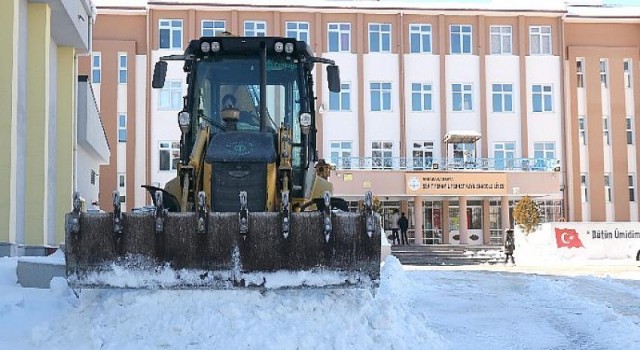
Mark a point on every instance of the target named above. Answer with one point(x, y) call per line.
point(159, 73)
point(333, 77)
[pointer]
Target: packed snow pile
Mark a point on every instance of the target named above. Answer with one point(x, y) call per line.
point(203, 319)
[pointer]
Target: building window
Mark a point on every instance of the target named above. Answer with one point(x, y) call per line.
point(540, 40)
point(121, 180)
point(96, 67)
point(584, 189)
point(502, 97)
point(213, 28)
point(462, 97)
point(341, 101)
point(605, 130)
point(632, 188)
point(422, 154)
point(93, 177)
point(170, 34)
point(580, 72)
point(341, 154)
point(604, 72)
point(339, 37)
point(255, 28)
point(627, 73)
point(298, 31)
point(420, 38)
point(380, 97)
point(379, 37)
point(500, 40)
point(629, 130)
point(544, 153)
point(122, 68)
point(460, 39)
point(382, 154)
point(421, 97)
point(542, 98)
point(582, 130)
point(607, 186)
point(504, 153)
point(122, 127)
point(170, 96)
point(169, 155)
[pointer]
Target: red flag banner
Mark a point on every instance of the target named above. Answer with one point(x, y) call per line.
point(568, 237)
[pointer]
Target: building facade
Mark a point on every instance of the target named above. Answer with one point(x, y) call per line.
point(41, 41)
point(449, 114)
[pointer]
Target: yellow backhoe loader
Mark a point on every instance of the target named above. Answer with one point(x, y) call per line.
point(251, 205)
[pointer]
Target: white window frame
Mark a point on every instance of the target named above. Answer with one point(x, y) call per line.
point(580, 72)
point(122, 129)
point(546, 90)
point(378, 33)
point(627, 67)
point(422, 92)
point(172, 91)
point(341, 97)
point(607, 187)
point(461, 34)
point(339, 29)
point(379, 91)
point(538, 34)
point(256, 28)
point(504, 91)
point(420, 32)
point(212, 27)
point(466, 92)
point(508, 150)
point(382, 154)
point(605, 130)
point(341, 153)
point(503, 34)
point(584, 187)
point(632, 187)
point(629, 127)
point(96, 70)
point(122, 180)
point(173, 147)
point(122, 68)
point(169, 24)
point(297, 30)
point(422, 154)
point(582, 129)
point(604, 72)
point(546, 150)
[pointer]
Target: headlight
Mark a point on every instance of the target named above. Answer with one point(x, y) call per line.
point(215, 46)
point(184, 119)
point(288, 47)
point(278, 46)
point(205, 46)
point(305, 119)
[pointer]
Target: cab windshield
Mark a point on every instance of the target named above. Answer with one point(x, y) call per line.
point(217, 79)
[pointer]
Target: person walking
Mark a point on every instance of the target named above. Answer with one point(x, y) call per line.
point(393, 224)
point(509, 246)
point(403, 223)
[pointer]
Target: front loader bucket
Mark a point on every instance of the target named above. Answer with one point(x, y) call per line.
point(179, 256)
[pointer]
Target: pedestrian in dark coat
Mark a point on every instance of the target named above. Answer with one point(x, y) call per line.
point(403, 223)
point(509, 246)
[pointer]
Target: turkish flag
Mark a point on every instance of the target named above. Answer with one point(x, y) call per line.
point(568, 237)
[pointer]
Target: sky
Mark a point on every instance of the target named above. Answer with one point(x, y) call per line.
point(470, 307)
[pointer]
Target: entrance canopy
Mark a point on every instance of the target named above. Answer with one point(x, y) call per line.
point(462, 136)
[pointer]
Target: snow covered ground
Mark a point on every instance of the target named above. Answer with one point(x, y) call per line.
point(476, 307)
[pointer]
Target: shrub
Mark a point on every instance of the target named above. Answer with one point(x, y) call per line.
point(527, 215)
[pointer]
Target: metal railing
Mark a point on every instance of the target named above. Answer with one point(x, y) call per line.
point(417, 164)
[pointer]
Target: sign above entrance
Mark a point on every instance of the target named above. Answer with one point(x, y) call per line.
point(456, 184)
